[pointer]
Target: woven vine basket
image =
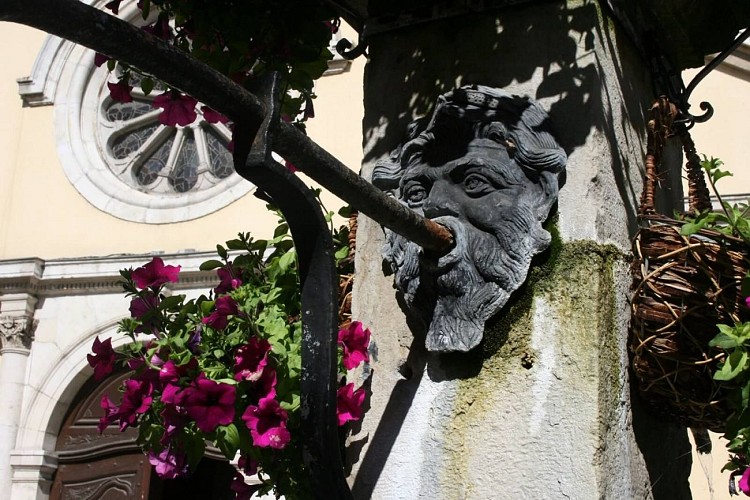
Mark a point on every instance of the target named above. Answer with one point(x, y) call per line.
point(683, 288)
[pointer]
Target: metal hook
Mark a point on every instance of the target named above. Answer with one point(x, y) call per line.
point(687, 118)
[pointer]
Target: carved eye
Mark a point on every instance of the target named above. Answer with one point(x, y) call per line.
point(476, 184)
point(415, 194)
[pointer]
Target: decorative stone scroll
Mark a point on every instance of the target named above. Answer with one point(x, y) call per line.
point(486, 166)
point(16, 331)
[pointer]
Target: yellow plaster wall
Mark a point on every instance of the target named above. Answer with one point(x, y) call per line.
point(725, 135)
point(42, 215)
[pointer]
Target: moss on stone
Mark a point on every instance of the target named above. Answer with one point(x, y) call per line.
point(576, 279)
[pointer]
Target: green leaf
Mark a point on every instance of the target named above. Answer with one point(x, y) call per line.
point(342, 253)
point(221, 251)
point(345, 211)
point(281, 230)
point(211, 264)
point(111, 64)
point(171, 302)
point(235, 245)
point(228, 440)
point(286, 260)
point(733, 366)
point(746, 286)
point(146, 8)
point(724, 341)
point(147, 85)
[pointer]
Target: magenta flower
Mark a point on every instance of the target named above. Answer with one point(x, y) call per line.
point(154, 274)
point(250, 359)
point(349, 403)
point(747, 301)
point(354, 340)
point(169, 463)
point(160, 29)
point(267, 424)
point(103, 359)
point(213, 116)
point(242, 490)
point(225, 307)
point(120, 91)
point(111, 413)
point(178, 109)
point(140, 305)
point(100, 59)
point(175, 419)
point(135, 401)
point(248, 465)
point(210, 404)
point(228, 278)
point(194, 340)
point(171, 372)
point(265, 386)
point(744, 482)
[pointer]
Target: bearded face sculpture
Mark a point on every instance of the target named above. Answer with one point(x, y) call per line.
point(486, 167)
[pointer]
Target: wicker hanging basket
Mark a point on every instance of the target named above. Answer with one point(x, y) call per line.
point(683, 288)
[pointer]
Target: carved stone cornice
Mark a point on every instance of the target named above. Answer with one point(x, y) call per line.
point(94, 275)
point(16, 332)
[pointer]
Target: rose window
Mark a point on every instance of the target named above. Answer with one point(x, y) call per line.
point(158, 158)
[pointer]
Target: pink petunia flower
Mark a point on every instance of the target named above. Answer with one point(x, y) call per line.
point(170, 372)
point(103, 359)
point(140, 305)
point(174, 418)
point(111, 413)
point(225, 307)
point(349, 403)
point(120, 91)
point(135, 401)
point(250, 359)
point(744, 482)
point(154, 274)
point(354, 341)
point(169, 463)
point(160, 29)
point(228, 279)
point(247, 465)
point(100, 59)
point(210, 404)
point(213, 116)
point(267, 424)
point(242, 490)
point(178, 109)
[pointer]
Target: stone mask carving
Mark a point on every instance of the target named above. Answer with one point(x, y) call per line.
point(485, 166)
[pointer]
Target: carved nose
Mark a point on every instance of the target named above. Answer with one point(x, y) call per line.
point(441, 201)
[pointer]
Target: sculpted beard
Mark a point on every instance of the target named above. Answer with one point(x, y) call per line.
point(470, 283)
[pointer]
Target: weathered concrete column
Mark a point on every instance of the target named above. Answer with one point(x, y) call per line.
point(542, 408)
point(16, 332)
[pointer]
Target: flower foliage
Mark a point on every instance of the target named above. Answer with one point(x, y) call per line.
point(241, 40)
point(733, 342)
point(223, 368)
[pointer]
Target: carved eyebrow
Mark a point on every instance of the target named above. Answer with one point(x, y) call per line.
point(496, 173)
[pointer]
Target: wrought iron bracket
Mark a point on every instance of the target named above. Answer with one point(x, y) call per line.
point(345, 50)
point(670, 83)
point(319, 283)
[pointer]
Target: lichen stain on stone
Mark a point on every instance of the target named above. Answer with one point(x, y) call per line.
point(575, 278)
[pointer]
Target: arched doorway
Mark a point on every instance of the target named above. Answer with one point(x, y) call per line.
point(110, 466)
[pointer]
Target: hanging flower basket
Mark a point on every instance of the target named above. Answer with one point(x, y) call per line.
point(683, 287)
